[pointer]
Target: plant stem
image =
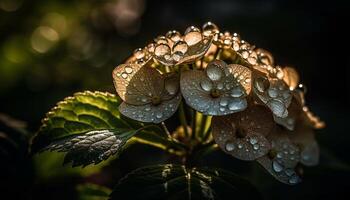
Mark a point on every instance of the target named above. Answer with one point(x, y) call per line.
point(218, 54)
point(166, 130)
point(183, 119)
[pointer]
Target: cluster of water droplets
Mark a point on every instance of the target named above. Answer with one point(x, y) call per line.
point(174, 48)
point(275, 94)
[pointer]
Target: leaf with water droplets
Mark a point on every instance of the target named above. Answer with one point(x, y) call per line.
point(282, 159)
point(151, 113)
point(242, 135)
point(178, 182)
point(90, 128)
point(91, 147)
point(214, 91)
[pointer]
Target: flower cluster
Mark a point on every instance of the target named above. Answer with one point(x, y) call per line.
point(258, 109)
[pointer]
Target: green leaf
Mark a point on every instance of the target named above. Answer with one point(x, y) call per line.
point(178, 182)
point(91, 191)
point(91, 147)
point(89, 127)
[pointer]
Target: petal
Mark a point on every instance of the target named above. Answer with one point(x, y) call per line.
point(282, 174)
point(294, 112)
point(216, 70)
point(282, 159)
point(150, 113)
point(291, 77)
point(136, 84)
point(264, 57)
point(275, 94)
point(255, 123)
point(243, 75)
point(287, 152)
point(171, 85)
point(304, 136)
point(196, 91)
point(185, 49)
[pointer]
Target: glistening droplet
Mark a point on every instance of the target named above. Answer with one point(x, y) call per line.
point(192, 36)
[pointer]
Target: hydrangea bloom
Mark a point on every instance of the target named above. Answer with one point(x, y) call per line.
point(258, 109)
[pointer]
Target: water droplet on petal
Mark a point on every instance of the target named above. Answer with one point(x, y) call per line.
point(229, 146)
point(139, 53)
point(124, 75)
point(209, 28)
point(162, 50)
point(214, 73)
point(294, 179)
point(223, 102)
point(192, 36)
point(174, 36)
point(159, 115)
point(237, 104)
point(253, 140)
point(276, 166)
point(206, 85)
point(128, 70)
point(236, 92)
point(256, 146)
point(180, 47)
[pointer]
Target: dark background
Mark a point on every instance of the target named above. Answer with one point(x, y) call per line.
point(51, 49)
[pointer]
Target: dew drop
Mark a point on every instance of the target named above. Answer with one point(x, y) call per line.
point(256, 146)
point(180, 47)
point(192, 36)
point(223, 102)
point(161, 40)
point(279, 155)
point(276, 166)
point(240, 146)
point(173, 35)
point(124, 75)
point(209, 28)
point(236, 92)
point(159, 115)
point(237, 104)
point(162, 50)
point(230, 146)
point(128, 70)
point(214, 73)
point(206, 85)
point(294, 179)
point(144, 99)
point(139, 53)
point(253, 140)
